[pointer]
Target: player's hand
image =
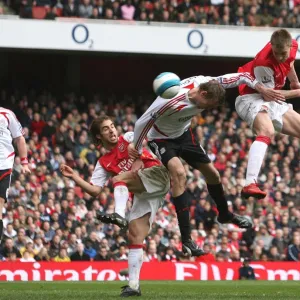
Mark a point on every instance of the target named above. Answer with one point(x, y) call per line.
point(137, 165)
point(295, 85)
point(66, 171)
point(25, 170)
point(132, 152)
point(272, 95)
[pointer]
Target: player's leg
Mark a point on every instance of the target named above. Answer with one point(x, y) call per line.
point(5, 176)
point(291, 123)
point(216, 191)
point(141, 217)
point(138, 230)
point(255, 111)
point(167, 152)
point(123, 184)
point(2, 202)
point(264, 130)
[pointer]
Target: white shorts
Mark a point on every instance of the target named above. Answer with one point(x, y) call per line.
point(248, 106)
point(157, 183)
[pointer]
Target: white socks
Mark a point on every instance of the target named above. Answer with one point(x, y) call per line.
point(135, 261)
point(256, 156)
point(121, 195)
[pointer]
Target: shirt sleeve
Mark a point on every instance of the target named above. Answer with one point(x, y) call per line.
point(265, 76)
point(236, 79)
point(129, 136)
point(99, 176)
point(14, 126)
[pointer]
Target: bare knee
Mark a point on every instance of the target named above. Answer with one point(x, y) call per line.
point(179, 176)
point(127, 178)
point(269, 132)
point(135, 237)
point(263, 125)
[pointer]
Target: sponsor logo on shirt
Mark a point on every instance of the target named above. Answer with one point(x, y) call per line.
point(266, 79)
point(154, 115)
point(125, 165)
point(178, 109)
point(121, 147)
point(184, 119)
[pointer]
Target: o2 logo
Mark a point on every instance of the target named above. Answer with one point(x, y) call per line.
point(195, 40)
point(80, 35)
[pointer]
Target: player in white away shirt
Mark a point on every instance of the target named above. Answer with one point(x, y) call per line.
point(166, 124)
point(10, 131)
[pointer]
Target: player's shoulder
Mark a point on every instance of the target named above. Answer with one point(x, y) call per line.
point(294, 50)
point(190, 82)
point(9, 113)
point(294, 43)
point(102, 161)
point(264, 57)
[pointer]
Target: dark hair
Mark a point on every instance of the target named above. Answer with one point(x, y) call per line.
point(281, 38)
point(95, 128)
point(214, 90)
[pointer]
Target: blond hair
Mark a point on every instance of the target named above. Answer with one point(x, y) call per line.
point(281, 38)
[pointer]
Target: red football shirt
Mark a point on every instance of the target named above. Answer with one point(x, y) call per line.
point(118, 161)
point(267, 70)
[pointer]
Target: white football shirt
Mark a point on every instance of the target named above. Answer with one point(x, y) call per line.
point(169, 119)
point(10, 128)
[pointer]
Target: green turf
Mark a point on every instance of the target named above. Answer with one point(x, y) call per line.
point(152, 290)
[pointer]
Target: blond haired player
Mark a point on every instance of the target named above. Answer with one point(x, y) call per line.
point(271, 66)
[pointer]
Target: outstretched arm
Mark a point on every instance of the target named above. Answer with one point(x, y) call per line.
point(236, 79)
point(91, 189)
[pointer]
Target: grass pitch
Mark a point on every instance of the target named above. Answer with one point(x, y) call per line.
point(164, 290)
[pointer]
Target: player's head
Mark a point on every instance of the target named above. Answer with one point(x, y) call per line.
point(103, 131)
point(281, 41)
point(210, 94)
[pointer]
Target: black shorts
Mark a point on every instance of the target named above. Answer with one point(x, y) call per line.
point(186, 146)
point(4, 183)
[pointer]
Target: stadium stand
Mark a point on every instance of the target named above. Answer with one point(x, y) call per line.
point(276, 13)
point(48, 217)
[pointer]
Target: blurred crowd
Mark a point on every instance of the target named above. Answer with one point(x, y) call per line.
point(48, 218)
point(276, 13)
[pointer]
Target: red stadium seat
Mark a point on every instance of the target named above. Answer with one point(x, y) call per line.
point(59, 12)
point(39, 12)
point(78, 191)
point(192, 211)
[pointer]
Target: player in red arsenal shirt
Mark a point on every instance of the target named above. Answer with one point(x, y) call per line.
point(149, 184)
point(270, 67)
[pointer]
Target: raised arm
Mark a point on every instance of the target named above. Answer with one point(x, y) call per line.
point(98, 180)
